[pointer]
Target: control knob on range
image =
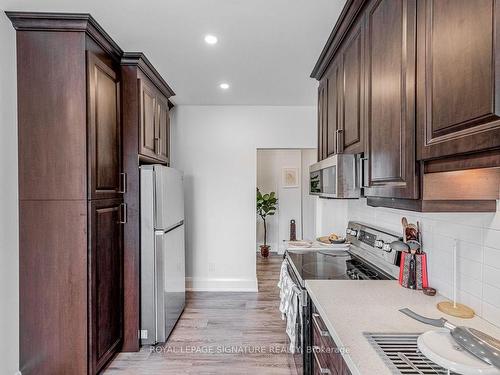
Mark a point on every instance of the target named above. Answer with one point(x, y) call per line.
point(387, 247)
point(379, 244)
point(352, 274)
point(352, 232)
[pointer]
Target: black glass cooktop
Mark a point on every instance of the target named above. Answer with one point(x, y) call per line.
point(331, 265)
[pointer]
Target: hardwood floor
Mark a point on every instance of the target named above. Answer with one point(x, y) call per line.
point(222, 333)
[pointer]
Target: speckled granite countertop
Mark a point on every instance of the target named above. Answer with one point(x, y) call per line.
point(349, 308)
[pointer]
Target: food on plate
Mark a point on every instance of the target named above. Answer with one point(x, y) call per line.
point(333, 237)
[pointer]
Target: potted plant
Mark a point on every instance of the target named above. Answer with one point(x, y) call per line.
point(266, 205)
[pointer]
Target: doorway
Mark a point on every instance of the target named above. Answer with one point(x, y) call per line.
point(286, 173)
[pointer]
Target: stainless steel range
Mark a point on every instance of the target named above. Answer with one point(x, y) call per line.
point(368, 257)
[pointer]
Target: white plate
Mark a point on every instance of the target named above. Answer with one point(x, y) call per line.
point(440, 347)
point(300, 243)
point(342, 244)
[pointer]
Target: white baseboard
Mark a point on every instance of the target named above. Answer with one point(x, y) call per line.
point(199, 284)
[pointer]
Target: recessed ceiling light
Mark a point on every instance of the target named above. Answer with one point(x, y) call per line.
point(224, 86)
point(210, 39)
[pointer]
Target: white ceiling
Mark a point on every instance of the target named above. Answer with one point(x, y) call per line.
point(266, 49)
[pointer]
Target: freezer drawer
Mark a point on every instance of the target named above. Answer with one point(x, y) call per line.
point(163, 285)
point(171, 282)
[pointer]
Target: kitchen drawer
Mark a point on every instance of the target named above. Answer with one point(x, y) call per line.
point(327, 358)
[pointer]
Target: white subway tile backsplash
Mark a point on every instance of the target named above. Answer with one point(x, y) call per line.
point(492, 257)
point(477, 220)
point(491, 313)
point(470, 268)
point(492, 276)
point(478, 236)
point(470, 251)
point(460, 232)
point(469, 285)
point(441, 285)
point(491, 238)
point(492, 220)
point(472, 301)
point(491, 295)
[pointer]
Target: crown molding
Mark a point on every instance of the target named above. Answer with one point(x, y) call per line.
point(351, 10)
point(140, 60)
point(78, 22)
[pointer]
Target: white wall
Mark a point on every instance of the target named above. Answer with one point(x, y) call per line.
point(270, 164)
point(9, 247)
point(478, 248)
point(332, 216)
point(216, 147)
point(309, 202)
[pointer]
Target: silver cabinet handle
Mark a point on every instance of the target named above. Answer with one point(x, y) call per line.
point(157, 146)
point(362, 172)
point(322, 331)
point(337, 140)
point(322, 370)
point(123, 214)
point(123, 183)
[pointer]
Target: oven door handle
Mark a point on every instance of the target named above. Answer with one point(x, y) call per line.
point(322, 331)
point(322, 370)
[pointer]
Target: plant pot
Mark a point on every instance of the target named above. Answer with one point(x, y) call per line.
point(264, 250)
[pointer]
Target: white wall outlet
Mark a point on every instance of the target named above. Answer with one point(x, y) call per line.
point(211, 267)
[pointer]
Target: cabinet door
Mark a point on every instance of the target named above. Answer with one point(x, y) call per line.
point(351, 129)
point(148, 143)
point(326, 356)
point(106, 281)
point(458, 96)
point(163, 129)
point(104, 138)
point(390, 110)
point(322, 119)
point(333, 107)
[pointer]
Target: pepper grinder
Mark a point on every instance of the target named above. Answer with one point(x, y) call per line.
point(293, 231)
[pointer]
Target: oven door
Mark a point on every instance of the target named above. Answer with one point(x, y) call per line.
point(302, 357)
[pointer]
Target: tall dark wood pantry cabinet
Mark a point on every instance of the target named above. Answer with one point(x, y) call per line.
point(71, 187)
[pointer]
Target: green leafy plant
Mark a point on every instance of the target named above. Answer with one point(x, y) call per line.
point(266, 206)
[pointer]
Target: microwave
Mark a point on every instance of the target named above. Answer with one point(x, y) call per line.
point(335, 177)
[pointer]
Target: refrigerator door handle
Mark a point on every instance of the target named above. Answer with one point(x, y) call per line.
point(175, 226)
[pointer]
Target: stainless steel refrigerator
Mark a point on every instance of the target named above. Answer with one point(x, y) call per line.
point(162, 252)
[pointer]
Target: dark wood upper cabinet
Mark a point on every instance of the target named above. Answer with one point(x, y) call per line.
point(340, 100)
point(148, 120)
point(106, 281)
point(390, 97)
point(458, 96)
point(351, 129)
point(323, 119)
point(163, 129)
point(417, 91)
point(333, 107)
point(154, 123)
point(145, 117)
point(104, 135)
